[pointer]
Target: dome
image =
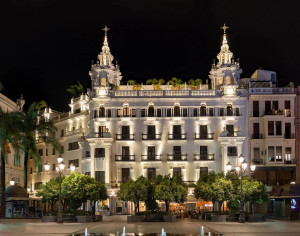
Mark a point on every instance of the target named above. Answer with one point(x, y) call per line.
point(15, 191)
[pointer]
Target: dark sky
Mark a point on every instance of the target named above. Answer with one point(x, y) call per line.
point(46, 45)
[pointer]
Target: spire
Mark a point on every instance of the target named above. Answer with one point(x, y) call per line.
point(105, 57)
point(225, 54)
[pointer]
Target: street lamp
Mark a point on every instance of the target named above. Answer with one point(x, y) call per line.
point(47, 166)
point(12, 182)
point(240, 170)
point(72, 167)
point(59, 169)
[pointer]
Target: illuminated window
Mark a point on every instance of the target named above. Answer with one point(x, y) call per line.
point(151, 111)
point(102, 112)
point(126, 111)
point(177, 110)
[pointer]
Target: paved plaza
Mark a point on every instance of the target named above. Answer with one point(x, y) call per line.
point(114, 224)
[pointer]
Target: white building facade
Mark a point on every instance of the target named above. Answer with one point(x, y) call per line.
point(116, 132)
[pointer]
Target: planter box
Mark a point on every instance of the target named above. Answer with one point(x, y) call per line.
point(256, 218)
point(49, 218)
point(171, 218)
point(98, 218)
point(154, 218)
point(219, 218)
point(84, 219)
point(131, 219)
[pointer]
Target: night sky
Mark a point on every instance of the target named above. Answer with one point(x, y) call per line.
point(47, 45)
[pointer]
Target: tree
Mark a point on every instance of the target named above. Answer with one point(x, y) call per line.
point(50, 192)
point(176, 83)
point(214, 187)
point(9, 137)
point(96, 192)
point(170, 189)
point(134, 191)
point(33, 124)
point(195, 83)
point(76, 89)
point(132, 82)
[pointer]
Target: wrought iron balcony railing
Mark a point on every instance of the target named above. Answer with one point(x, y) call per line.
point(125, 158)
point(204, 157)
point(124, 136)
point(179, 136)
point(199, 136)
point(177, 157)
point(151, 136)
point(151, 157)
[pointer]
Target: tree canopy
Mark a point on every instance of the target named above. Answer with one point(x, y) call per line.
point(76, 89)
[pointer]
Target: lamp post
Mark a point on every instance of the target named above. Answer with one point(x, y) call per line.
point(59, 169)
point(240, 170)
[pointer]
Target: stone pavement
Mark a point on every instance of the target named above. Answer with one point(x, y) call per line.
point(113, 224)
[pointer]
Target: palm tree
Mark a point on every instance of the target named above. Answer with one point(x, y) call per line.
point(75, 89)
point(132, 82)
point(34, 129)
point(195, 83)
point(176, 83)
point(9, 136)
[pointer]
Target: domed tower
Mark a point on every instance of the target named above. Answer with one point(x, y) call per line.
point(104, 73)
point(226, 73)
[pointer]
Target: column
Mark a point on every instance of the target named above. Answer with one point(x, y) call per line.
point(92, 162)
point(224, 158)
point(107, 164)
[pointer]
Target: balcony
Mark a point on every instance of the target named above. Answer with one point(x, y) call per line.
point(289, 136)
point(265, 90)
point(203, 136)
point(177, 157)
point(102, 135)
point(273, 113)
point(257, 136)
point(232, 134)
point(124, 136)
point(115, 184)
point(151, 136)
point(258, 161)
point(73, 132)
point(151, 157)
point(204, 157)
point(125, 158)
point(181, 136)
point(291, 162)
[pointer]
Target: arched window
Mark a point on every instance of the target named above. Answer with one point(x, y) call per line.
point(229, 110)
point(151, 111)
point(126, 110)
point(176, 110)
point(203, 110)
point(102, 112)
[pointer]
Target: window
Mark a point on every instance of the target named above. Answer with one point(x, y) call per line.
point(151, 172)
point(169, 112)
point(176, 110)
point(108, 112)
point(158, 112)
point(278, 153)
point(62, 149)
point(102, 131)
point(237, 111)
point(41, 152)
point(287, 127)
point(256, 130)
point(231, 151)
point(203, 171)
point(287, 105)
point(53, 167)
point(184, 112)
point(77, 111)
point(126, 111)
point(53, 151)
point(221, 111)
point(151, 132)
point(275, 105)
point(288, 153)
point(99, 152)
point(75, 162)
point(125, 132)
point(125, 153)
point(278, 128)
point(100, 176)
point(195, 112)
point(151, 111)
point(177, 171)
point(255, 108)
point(270, 127)
point(143, 113)
point(203, 110)
point(73, 146)
point(256, 153)
point(176, 131)
point(95, 114)
point(40, 168)
point(203, 153)
point(268, 109)
point(119, 113)
point(177, 153)
point(230, 130)
point(151, 153)
point(37, 185)
point(229, 110)
point(271, 156)
point(62, 133)
point(125, 174)
point(133, 112)
point(203, 131)
point(46, 151)
point(211, 112)
point(31, 170)
point(87, 154)
point(102, 112)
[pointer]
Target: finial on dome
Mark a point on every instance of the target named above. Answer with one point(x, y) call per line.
point(106, 29)
point(224, 27)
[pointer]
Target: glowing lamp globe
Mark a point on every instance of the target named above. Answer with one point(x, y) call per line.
point(47, 166)
point(60, 159)
point(241, 159)
point(244, 165)
point(72, 167)
point(12, 182)
point(229, 166)
point(61, 166)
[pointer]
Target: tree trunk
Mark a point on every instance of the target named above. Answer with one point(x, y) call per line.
point(220, 206)
point(214, 205)
point(84, 207)
point(94, 208)
point(25, 169)
point(167, 206)
point(2, 180)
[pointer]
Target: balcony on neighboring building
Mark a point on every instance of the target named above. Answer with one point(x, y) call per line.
point(204, 136)
point(291, 162)
point(151, 136)
point(258, 161)
point(273, 113)
point(177, 136)
point(266, 90)
point(124, 136)
point(124, 157)
point(151, 157)
point(204, 157)
point(289, 136)
point(177, 157)
point(257, 136)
